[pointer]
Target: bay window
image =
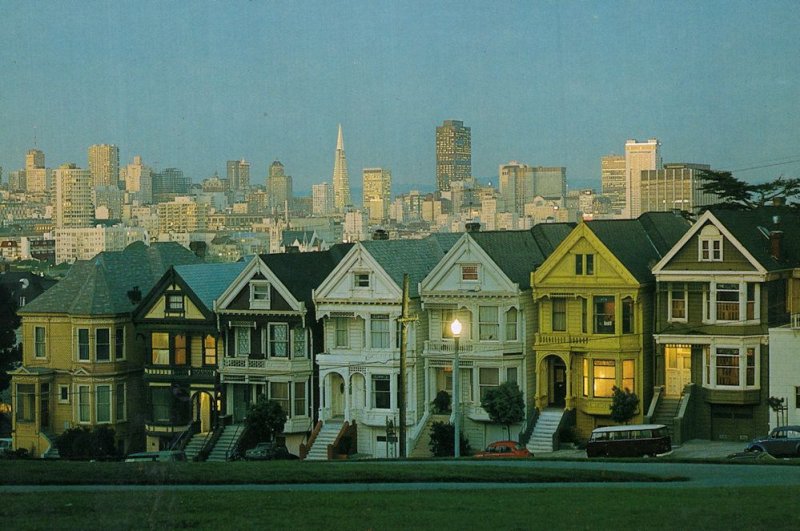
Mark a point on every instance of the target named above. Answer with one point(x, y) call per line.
point(381, 391)
point(278, 337)
point(26, 403)
point(727, 302)
point(83, 344)
point(299, 402)
point(488, 378)
point(730, 366)
point(279, 392)
point(605, 378)
point(39, 350)
point(731, 301)
point(103, 403)
point(83, 403)
point(102, 344)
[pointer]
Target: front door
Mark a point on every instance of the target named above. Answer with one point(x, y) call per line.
point(679, 368)
point(558, 384)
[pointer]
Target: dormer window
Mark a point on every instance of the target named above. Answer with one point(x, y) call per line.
point(469, 272)
point(174, 304)
point(710, 244)
point(259, 294)
point(361, 280)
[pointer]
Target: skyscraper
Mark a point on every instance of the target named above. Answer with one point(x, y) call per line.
point(638, 156)
point(238, 174)
point(549, 181)
point(72, 202)
point(612, 181)
point(677, 186)
point(139, 180)
point(453, 153)
point(37, 177)
point(322, 199)
point(104, 164)
point(516, 185)
point(34, 159)
point(279, 188)
point(377, 193)
point(341, 180)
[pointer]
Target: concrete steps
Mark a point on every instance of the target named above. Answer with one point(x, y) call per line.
point(541, 441)
point(230, 435)
point(195, 444)
point(327, 435)
point(665, 412)
point(422, 448)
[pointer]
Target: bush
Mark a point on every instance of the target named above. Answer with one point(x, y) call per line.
point(441, 404)
point(83, 444)
point(265, 420)
point(505, 405)
point(623, 404)
point(442, 438)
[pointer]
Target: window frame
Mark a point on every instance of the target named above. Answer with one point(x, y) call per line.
point(63, 394)
point(362, 280)
point(470, 272)
point(300, 398)
point(383, 335)
point(604, 329)
point(207, 350)
point(84, 392)
point(710, 244)
point(671, 300)
point(105, 346)
point(25, 393)
point(288, 400)
point(384, 394)
point(628, 308)
point(174, 304)
point(260, 294)
point(598, 379)
point(120, 411)
point(486, 327)
point(512, 324)
point(561, 311)
point(341, 332)
point(246, 333)
point(161, 349)
point(745, 365)
point(119, 343)
point(39, 343)
point(84, 348)
point(272, 342)
point(484, 386)
point(106, 405)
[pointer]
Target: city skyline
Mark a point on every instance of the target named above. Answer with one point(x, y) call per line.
point(589, 78)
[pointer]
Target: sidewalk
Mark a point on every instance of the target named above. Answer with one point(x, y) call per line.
point(694, 449)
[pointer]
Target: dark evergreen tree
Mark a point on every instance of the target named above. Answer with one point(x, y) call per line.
point(737, 194)
point(10, 353)
point(505, 405)
point(624, 404)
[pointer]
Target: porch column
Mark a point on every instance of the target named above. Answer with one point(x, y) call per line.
point(570, 401)
point(346, 398)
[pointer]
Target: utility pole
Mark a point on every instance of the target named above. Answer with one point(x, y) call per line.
point(404, 320)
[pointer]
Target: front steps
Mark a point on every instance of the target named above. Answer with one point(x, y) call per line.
point(195, 444)
point(327, 435)
point(229, 437)
point(422, 448)
point(666, 411)
point(546, 426)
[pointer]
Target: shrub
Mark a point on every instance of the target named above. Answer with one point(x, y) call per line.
point(265, 420)
point(82, 444)
point(505, 405)
point(441, 404)
point(442, 438)
point(623, 404)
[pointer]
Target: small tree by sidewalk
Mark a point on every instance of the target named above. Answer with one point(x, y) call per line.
point(505, 405)
point(265, 420)
point(624, 404)
point(442, 439)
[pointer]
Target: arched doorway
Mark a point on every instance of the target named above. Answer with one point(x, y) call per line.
point(556, 381)
point(203, 410)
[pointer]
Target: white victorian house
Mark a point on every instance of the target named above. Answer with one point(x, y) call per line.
point(360, 303)
point(484, 282)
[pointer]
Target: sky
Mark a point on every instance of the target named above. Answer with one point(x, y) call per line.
point(557, 83)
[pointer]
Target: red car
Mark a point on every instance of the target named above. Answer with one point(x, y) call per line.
point(504, 449)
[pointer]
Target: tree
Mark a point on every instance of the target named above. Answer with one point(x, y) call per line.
point(505, 405)
point(739, 195)
point(442, 438)
point(265, 420)
point(10, 353)
point(624, 404)
point(80, 443)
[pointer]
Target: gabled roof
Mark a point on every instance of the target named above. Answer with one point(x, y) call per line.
point(518, 252)
point(752, 227)
point(415, 257)
point(301, 273)
point(208, 281)
point(640, 243)
point(100, 286)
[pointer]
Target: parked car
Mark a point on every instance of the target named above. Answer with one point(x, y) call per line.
point(783, 441)
point(266, 451)
point(5, 444)
point(504, 449)
point(630, 440)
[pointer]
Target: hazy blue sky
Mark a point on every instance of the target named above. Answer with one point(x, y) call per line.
point(193, 84)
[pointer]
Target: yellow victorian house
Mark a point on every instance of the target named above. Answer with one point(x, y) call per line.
point(82, 359)
point(595, 295)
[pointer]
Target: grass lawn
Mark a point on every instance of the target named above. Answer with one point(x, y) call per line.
point(38, 472)
point(602, 507)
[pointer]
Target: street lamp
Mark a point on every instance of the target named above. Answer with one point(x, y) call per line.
point(455, 328)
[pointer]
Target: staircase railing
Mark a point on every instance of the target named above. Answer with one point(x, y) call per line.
point(412, 438)
point(305, 447)
point(681, 427)
point(651, 412)
point(348, 430)
point(182, 439)
point(527, 428)
point(233, 451)
point(567, 419)
point(210, 441)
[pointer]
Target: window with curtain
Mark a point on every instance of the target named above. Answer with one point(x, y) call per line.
point(605, 377)
point(488, 325)
point(379, 331)
point(511, 324)
point(604, 314)
point(559, 314)
point(159, 346)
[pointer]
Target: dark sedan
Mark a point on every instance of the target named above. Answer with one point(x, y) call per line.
point(783, 441)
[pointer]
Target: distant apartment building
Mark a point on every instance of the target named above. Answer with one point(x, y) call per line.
point(138, 180)
point(612, 179)
point(453, 153)
point(355, 226)
point(110, 197)
point(37, 177)
point(676, 187)
point(377, 193)
point(182, 215)
point(549, 181)
point(516, 185)
point(84, 243)
point(279, 188)
point(639, 156)
point(322, 199)
point(72, 201)
point(238, 172)
point(104, 164)
point(168, 184)
point(341, 178)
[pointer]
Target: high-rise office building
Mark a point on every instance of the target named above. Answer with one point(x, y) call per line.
point(238, 174)
point(34, 159)
point(638, 156)
point(169, 183)
point(377, 193)
point(612, 181)
point(675, 187)
point(341, 180)
point(37, 177)
point(322, 199)
point(139, 180)
point(549, 181)
point(72, 201)
point(279, 188)
point(516, 185)
point(104, 164)
point(453, 153)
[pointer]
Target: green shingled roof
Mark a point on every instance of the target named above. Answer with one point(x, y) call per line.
point(415, 257)
point(640, 243)
point(100, 286)
point(208, 281)
point(303, 272)
point(752, 228)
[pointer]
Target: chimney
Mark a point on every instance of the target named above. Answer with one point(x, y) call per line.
point(775, 240)
point(778, 201)
point(473, 226)
point(380, 234)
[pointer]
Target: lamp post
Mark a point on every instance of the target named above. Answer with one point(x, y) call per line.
point(455, 328)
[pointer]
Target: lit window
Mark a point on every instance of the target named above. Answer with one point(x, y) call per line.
point(605, 378)
point(209, 350)
point(181, 349)
point(259, 294)
point(469, 272)
point(604, 315)
point(585, 376)
point(159, 345)
point(381, 391)
point(279, 392)
point(83, 344)
point(279, 341)
point(488, 326)
point(559, 314)
point(379, 331)
point(629, 375)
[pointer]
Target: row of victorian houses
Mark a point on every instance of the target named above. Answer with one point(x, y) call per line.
point(162, 347)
